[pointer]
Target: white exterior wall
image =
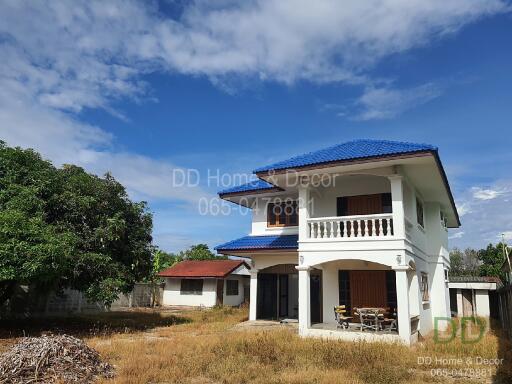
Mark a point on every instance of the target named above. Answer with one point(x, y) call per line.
point(415, 248)
point(259, 217)
point(173, 296)
point(482, 303)
point(324, 198)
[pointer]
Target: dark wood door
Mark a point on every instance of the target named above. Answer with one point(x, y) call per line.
point(364, 204)
point(220, 291)
point(266, 301)
point(368, 289)
point(316, 298)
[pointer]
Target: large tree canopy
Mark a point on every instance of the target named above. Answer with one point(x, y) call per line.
point(485, 262)
point(63, 227)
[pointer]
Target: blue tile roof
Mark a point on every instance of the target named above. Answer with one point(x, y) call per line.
point(260, 242)
point(255, 185)
point(348, 151)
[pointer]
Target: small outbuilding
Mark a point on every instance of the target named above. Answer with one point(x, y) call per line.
point(206, 283)
point(474, 296)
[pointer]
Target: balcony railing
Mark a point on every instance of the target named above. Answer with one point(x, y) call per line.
point(347, 227)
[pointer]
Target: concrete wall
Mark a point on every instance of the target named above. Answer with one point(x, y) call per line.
point(482, 303)
point(28, 302)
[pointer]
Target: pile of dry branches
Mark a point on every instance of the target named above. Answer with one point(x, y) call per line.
point(52, 358)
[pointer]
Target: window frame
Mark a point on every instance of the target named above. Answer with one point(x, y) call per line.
point(420, 204)
point(425, 295)
point(190, 290)
point(230, 290)
point(278, 216)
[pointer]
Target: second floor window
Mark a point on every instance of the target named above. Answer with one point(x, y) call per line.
point(282, 214)
point(419, 212)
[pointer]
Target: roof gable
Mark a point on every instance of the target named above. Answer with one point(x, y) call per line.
point(202, 268)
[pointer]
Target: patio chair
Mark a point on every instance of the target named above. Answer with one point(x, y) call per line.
point(389, 322)
point(340, 314)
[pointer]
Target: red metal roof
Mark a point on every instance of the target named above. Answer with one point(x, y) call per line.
point(202, 268)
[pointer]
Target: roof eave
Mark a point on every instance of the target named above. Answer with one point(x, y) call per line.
point(433, 152)
point(328, 164)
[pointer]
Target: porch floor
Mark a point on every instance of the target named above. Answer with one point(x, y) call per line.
point(330, 331)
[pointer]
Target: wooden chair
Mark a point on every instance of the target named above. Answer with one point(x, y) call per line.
point(340, 314)
point(389, 322)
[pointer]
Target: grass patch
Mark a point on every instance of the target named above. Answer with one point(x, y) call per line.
point(203, 347)
point(206, 349)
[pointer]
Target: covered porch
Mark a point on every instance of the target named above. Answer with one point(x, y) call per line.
point(360, 286)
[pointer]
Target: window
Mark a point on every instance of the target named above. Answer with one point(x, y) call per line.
point(191, 287)
point(282, 214)
point(424, 287)
point(231, 287)
point(344, 289)
point(444, 222)
point(419, 212)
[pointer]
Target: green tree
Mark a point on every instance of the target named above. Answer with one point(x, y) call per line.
point(66, 228)
point(492, 260)
point(199, 252)
point(464, 263)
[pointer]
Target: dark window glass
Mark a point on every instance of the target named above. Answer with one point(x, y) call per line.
point(344, 289)
point(391, 289)
point(191, 287)
point(232, 287)
point(419, 212)
point(387, 206)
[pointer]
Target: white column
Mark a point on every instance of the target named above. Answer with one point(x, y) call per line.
point(304, 196)
point(254, 294)
point(330, 293)
point(304, 298)
point(402, 298)
point(460, 309)
point(397, 201)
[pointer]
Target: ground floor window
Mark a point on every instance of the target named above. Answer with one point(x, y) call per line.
point(232, 287)
point(424, 286)
point(191, 287)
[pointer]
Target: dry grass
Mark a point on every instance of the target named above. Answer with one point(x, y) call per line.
point(202, 347)
point(207, 350)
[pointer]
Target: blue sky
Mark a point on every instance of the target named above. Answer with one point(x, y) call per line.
point(147, 90)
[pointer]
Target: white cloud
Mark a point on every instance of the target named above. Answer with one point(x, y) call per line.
point(386, 103)
point(507, 235)
point(484, 219)
point(456, 235)
point(486, 194)
point(61, 58)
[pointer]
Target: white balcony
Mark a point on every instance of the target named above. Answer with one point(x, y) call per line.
point(370, 227)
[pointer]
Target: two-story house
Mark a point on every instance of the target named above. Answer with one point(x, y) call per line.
point(360, 224)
